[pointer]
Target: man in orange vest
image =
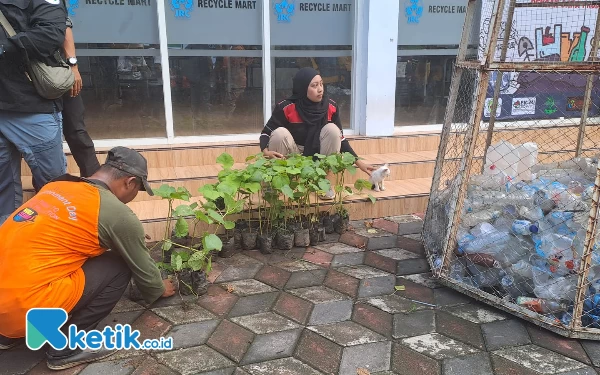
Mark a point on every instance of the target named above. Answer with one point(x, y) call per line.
point(54, 253)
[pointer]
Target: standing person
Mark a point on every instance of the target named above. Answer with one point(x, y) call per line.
point(54, 253)
point(76, 135)
point(308, 122)
point(30, 125)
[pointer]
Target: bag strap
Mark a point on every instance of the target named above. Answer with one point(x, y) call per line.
point(7, 26)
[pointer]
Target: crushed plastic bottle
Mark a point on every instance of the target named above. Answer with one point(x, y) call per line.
point(473, 218)
point(543, 306)
point(524, 227)
point(482, 229)
point(494, 239)
point(532, 214)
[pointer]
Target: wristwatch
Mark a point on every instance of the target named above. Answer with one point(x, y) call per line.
point(72, 61)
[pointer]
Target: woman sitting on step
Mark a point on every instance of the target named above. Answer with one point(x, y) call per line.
point(307, 123)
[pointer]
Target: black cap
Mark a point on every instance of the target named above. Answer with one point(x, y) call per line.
point(132, 162)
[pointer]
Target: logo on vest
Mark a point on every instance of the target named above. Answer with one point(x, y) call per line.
point(26, 214)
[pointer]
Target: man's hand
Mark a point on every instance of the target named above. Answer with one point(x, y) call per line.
point(367, 168)
point(76, 89)
point(169, 288)
point(272, 154)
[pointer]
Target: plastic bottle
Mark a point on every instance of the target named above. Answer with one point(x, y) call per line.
point(510, 287)
point(480, 243)
point(524, 227)
point(528, 155)
point(473, 218)
point(531, 214)
point(482, 229)
point(482, 259)
point(543, 306)
point(484, 276)
point(457, 270)
point(502, 156)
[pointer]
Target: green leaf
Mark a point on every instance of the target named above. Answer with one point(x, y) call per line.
point(181, 228)
point(227, 187)
point(332, 160)
point(209, 192)
point(321, 172)
point(208, 267)
point(251, 157)
point(324, 185)
point(400, 287)
point(307, 172)
point(287, 191)
point(372, 198)
point(320, 156)
point(196, 261)
point(183, 254)
point(280, 181)
point(176, 262)
point(253, 187)
point(348, 158)
point(183, 210)
point(215, 215)
point(347, 188)
point(181, 193)
point(301, 188)
point(293, 171)
point(164, 191)
point(202, 217)
point(225, 160)
point(362, 184)
point(279, 168)
point(351, 169)
point(167, 245)
point(212, 242)
point(229, 224)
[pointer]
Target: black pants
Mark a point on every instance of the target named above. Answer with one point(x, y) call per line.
point(76, 135)
point(106, 278)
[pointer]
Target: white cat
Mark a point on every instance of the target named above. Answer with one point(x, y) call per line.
point(377, 177)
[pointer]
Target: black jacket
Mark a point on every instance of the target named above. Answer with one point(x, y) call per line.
point(40, 26)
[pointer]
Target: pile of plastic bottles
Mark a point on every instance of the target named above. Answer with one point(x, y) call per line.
point(523, 239)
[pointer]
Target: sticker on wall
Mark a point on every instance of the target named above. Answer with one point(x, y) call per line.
point(575, 104)
point(284, 10)
point(413, 10)
point(487, 108)
point(71, 6)
point(182, 8)
point(522, 106)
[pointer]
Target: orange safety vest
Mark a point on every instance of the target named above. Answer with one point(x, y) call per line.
point(42, 248)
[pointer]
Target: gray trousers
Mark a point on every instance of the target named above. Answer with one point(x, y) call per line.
point(281, 141)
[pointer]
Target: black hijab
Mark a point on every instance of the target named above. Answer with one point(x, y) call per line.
point(313, 114)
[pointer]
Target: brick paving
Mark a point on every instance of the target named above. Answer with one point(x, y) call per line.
point(332, 309)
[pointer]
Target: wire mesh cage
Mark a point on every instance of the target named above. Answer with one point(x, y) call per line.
point(513, 209)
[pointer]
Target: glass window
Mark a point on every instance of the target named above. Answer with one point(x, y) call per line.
point(218, 91)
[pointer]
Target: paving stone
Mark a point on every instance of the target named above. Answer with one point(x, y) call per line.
point(21, 360)
point(303, 279)
point(406, 361)
point(347, 334)
point(412, 266)
point(416, 237)
point(503, 366)
point(231, 340)
point(239, 371)
point(119, 318)
point(476, 364)
point(352, 259)
point(459, 329)
point(568, 347)
point(253, 304)
point(293, 307)
point(504, 333)
point(366, 229)
point(150, 366)
point(271, 346)
point(285, 366)
point(192, 334)
point(239, 260)
point(216, 271)
point(438, 346)
point(379, 243)
point(414, 324)
point(339, 248)
point(276, 257)
point(42, 369)
point(126, 305)
point(386, 225)
point(232, 273)
point(330, 353)
point(273, 276)
point(542, 360)
point(449, 297)
point(373, 318)
point(329, 306)
point(395, 304)
point(582, 371)
point(318, 257)
point(593, 350)
point(415, 246)
point(217, 300)
point(415, 227)
point(120, 367)
point(342, 283)
point(151, 326)
point(425, 279)
point(403, 219)
point(476, 313)
point(414, 291)
point(354, 240)
point(175, 300)
point(372, 282)
point(297, 266)
point(372, 357)
point(183, 315)
point(197, 360)
point(264, 323)
point(248, 287)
